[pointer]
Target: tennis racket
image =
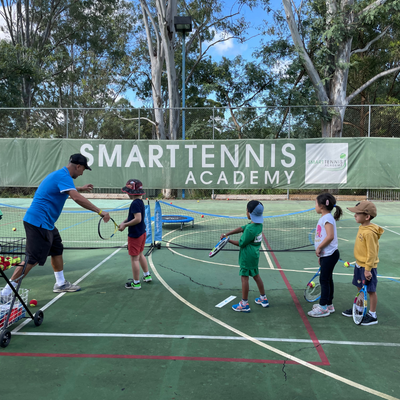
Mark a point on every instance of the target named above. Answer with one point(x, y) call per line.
point(219, 246)
point(107, 229)
point(360, 304)
point(312, 292)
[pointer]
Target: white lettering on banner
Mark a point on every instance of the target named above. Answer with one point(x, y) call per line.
point(204, 155)
point(135, 156)
point(202, 176)
point(83, 149)
point(172, 148)
point(190, 147)
point(235, 181)
point(222, 177)
point(258, 160)
point(253, 177)
point(272, 155)
point(291, 156)
point(153, 157)
point(289, 177)
point(268, 176)
point(109, 160)
point(190, 177)
point(234, 161)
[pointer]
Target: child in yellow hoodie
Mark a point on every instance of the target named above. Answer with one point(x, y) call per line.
point(366, 249)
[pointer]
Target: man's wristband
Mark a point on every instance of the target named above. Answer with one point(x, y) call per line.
point(100, 212)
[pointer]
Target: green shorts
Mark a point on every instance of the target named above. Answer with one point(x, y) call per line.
point(248, 272)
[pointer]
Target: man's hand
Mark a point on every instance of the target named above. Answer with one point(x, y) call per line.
point(368, 275)
point(105, 215)
point(122, 226)
point(86, 188)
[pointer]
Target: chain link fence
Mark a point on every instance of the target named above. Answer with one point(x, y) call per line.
point(200, 123)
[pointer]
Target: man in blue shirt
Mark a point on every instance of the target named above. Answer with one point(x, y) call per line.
point(42, 237)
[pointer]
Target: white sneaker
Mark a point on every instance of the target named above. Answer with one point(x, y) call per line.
point(318, 312)
point(331, 309)
point(66, 287)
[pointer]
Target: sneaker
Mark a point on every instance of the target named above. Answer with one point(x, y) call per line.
point(318, 312)
point(132, 285)
point(66, 287)
point(369, 320)
point(348, 313)
point(241, 307)
point(147, 278)
point(331, 309)
point(263, 302)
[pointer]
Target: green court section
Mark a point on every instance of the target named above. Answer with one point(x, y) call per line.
point(108, 342)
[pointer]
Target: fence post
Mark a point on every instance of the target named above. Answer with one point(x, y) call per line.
point(289, 133)
point(139, 124)
point(67, 122)
point(369, 121)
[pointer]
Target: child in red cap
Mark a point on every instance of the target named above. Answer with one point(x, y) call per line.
point(136, 233)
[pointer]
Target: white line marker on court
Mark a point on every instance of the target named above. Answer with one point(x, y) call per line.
point(271, 265)
point(306, 364)
point(62, 294)
point(226, 301)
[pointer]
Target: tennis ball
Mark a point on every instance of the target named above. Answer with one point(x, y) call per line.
point(170, 203)
point(202, 216)
point(14, 229)
point(346, 264)
point(33, 303)
point(197, 201)
point(312, 284)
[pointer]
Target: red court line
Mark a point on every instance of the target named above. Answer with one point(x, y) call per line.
point(310, 331)
point(144, 357)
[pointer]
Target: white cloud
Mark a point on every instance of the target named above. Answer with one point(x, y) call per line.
point(228, 48)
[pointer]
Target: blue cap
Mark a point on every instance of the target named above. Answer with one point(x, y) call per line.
point(257, 214)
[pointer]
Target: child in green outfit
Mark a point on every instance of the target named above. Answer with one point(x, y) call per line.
point(249, 254)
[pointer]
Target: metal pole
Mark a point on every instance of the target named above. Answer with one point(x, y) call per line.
point(289, 135)
point(67, 123)
point(213, 122)
point(183, 93)
point(139, 124)
point(369, 121)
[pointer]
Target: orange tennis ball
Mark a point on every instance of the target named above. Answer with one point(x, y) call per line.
point(33, 303)
point(170, 203)
point(346, 264)
point(202, 216)
point(14, 229)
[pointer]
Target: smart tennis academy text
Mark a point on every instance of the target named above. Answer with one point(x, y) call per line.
point(207, 164)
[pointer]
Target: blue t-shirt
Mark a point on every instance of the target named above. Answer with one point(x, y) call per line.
point(137, 230)
point(49, 199)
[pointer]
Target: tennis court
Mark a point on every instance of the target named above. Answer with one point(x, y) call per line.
point(170, 341)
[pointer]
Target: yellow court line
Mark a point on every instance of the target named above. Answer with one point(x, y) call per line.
point(266, 346)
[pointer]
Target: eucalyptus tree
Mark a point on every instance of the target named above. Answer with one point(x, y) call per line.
point(323, 32)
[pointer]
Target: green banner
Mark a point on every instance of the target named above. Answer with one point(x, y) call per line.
point(354, 163)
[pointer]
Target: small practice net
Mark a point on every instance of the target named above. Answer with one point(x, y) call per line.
point(197, 230)
point(78, 229)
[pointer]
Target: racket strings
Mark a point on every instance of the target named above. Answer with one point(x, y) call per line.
point(107, 229)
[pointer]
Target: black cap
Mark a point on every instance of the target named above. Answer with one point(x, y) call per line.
point(80, 160)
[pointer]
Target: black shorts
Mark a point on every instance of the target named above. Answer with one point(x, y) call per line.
point(41, 243)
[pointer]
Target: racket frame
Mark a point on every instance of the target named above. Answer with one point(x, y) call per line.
point(309, 289)
point(357, 317)
point(219, 246)
point(102, 222)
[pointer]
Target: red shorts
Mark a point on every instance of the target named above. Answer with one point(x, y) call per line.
point(136, 245)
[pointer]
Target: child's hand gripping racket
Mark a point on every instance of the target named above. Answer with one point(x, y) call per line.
point(219, 246)
point(312, 292)
point(360, 304)
point(107, 229)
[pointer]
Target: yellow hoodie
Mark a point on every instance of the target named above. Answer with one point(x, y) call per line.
point(366, 248)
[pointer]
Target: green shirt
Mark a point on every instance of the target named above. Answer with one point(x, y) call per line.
point(249, 244)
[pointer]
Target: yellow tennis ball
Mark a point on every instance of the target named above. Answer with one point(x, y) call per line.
point(346, 264)
point(312, 283)
point(14, 229)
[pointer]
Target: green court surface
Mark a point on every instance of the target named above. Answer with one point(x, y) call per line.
point(170, 341)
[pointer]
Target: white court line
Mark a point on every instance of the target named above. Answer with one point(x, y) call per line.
point(268, 269)
point(201, 337)
point(20, 326)
point(339, 378)
point(271, 266)
point(225, 302)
